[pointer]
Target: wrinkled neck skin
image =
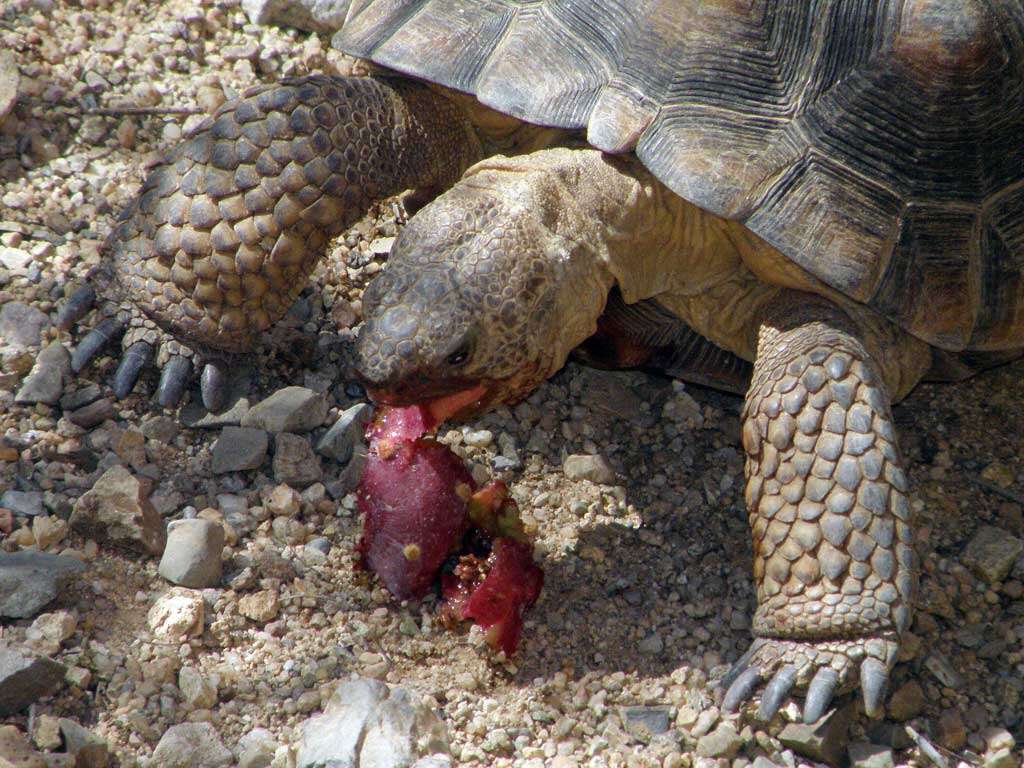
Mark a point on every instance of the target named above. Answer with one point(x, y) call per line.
point(604, 220)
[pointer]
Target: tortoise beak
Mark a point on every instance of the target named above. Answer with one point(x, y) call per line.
point(463, 402)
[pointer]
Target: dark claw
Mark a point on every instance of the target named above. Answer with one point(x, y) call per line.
point(173, 379)
point(873, 680)
point(94, 341)
point(776, 692)
point(819, 694)
point(214, 385)
point(76, 308)
point(741, 689)
point(135, 359)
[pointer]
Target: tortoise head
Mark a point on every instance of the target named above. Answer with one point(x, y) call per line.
point(467, 303)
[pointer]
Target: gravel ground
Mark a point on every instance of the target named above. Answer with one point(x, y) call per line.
point(648, 590)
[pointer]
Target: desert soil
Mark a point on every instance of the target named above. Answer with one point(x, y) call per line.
point(648, 586)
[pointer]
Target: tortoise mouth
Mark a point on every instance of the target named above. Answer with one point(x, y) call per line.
point(457, 400)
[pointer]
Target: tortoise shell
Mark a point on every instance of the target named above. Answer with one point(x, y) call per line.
point(879, 144)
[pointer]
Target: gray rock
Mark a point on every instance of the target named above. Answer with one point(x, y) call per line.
point(348, 478)
point(26, 679)
point(292, 409)
point(117, 510)
point(310, 15)
point(992, 553)
point(609, 392)
point(45, 382)
point(29, 580)
point(295, 463)
point(594, 468)
point(824, 740)
point(88, 749)
point(724, 741)
point(320, 544)
point(15, 259)
point(256, 749)
point(21, 325)
point(345, 433)
point(163, 429)
point(239, 448)
point(24, 503)
point(10, 78)
point(200, 692)
point(93, 414)
point(192, 555)
point(864, 754)
point(82, 396)
point(195, 416)
point(369, 724)
point(191, 745)
point(644, 723)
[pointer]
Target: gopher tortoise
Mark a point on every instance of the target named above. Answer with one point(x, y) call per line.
point(817, 203)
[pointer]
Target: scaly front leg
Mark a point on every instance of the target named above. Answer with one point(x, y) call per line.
point(826, 494)
point(226, 230)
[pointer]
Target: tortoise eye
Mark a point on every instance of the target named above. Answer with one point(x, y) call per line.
point(459, 356)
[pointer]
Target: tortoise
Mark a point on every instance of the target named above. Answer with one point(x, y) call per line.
point(817, 203)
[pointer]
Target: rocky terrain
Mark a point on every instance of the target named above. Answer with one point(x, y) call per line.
point(178, 588)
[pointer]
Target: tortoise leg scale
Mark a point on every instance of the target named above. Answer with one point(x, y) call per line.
point(226, 230)
point(826, 497)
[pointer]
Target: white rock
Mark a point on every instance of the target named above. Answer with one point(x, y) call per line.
point(177, 613)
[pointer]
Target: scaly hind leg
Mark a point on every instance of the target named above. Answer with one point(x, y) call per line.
point(226, 230)
point(827, 499)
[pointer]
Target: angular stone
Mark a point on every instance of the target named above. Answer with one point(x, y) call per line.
point(345, 433)
point(29, 580)
point(292, 409)
point(992, 553)
point(177, 613)
point(200, 692)
point(45, 382)
point(724, 741)
point(238, 449)
point(191, 745)
point(310, 15)
point(864, 754)
point(195, 416)
point(824, 740)
point(256, 749)
point(644, 723)
point(88, 749)
point(24, 503)
point(192, 555)
point(26, 679)
point(368, 723)
point(294, 461)
point(594, 468)
point(93, 414)
point(261, 607)
point(117, 510)
point(21, 325)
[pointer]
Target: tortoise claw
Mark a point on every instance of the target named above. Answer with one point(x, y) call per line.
point(77, 307)
point(173, 378)
point(741, 689)
point(94, 341)
point(776, 692)
point(873, 680)
point(214, 386)
point(819, 694)
point(134, 360)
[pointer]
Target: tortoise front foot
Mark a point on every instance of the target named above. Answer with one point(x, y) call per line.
point(826, 494)
point(778, 667)
point(143, 345)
